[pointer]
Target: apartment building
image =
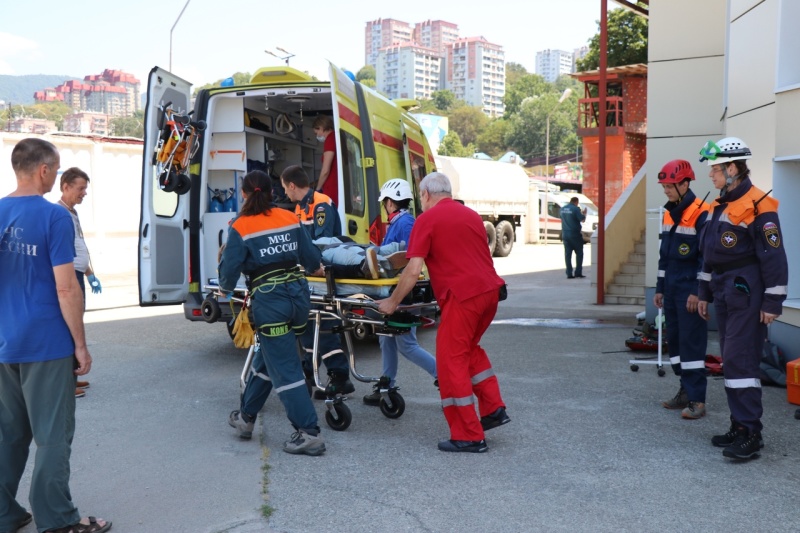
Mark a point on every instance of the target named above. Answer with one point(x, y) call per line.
point(87, 123)
point(408, 71)
point(113, 92)
point(381, 33)
point(550, 64)
point(475, 73)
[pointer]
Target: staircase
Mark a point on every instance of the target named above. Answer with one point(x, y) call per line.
point(628, 284)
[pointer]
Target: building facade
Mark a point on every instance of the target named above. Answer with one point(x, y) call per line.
point(476, 74)
point(113, 92)
point(382, 33)
point(408, 71)
point(550, 64)
point(88, 123)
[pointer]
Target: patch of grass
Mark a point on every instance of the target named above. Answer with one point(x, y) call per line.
point(266, 509)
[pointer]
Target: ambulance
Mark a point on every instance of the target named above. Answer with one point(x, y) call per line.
point(265, 124)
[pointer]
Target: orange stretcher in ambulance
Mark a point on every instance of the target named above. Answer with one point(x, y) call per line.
point(265, 125)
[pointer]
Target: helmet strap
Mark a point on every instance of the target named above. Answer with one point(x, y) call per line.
point(728, 178)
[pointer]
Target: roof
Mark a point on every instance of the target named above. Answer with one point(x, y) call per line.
point(638, 69)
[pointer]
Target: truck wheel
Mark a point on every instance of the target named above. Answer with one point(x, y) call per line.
point(491, 235)
point(505, 238)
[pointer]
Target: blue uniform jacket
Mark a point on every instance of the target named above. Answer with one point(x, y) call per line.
point(261, 240)
point(571, 218)
point(399, 229)
point(679, 259)
point(744, 226)
point(318, 215)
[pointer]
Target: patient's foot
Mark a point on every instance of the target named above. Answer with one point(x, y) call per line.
point(397, 260)
point(370, 266)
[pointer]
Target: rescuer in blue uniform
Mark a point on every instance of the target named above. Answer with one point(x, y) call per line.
point(745, 274)
point(571, 219)
point(679, 263)
point(267, 244)
point(318, 215)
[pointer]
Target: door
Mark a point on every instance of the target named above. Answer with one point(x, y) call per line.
point(352, 160)
point(163, 228)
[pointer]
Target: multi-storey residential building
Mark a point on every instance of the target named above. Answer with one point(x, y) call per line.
point(87, 123)
point(550, 64)
point(578, 53)
point(113, 92)
point(476, 74)
point(408, 71)
point(436, 34)
point(381, 33)
point(39, 126)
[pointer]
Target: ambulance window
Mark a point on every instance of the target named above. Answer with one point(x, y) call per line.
point(165, 204)
point(353, 179)
point(417, 173)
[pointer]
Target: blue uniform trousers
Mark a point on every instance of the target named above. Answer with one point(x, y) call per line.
point(37, 403)
point(280, 315)
point(687, 335)
point(329, 349)
point(738, 296)
point(573, 243)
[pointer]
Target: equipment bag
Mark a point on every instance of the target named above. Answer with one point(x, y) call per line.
point(773, 365)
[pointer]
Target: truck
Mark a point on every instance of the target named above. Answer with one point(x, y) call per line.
point(265, 124)
point(497, 191)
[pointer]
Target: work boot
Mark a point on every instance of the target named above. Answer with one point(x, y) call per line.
point(745, 446)
point(339, 383)
point(374, 398)
point(237, 421)
point(723, 441)
point(471, 446)
point(694, 410)
point(302, 442)
point(496, 419)
point(680, 400)
point(370, 266)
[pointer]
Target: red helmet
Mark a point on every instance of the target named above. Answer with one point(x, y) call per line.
point(676, 171)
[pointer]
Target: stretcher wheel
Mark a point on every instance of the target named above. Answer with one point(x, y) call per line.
point(397, 408)
point(184, 184)
point(661, 372)
point(210, 310)
point(634, 368)
point(340, 419)
point(360, 332)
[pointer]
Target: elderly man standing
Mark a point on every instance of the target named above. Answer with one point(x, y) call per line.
point(37, 371)
point(450, 239)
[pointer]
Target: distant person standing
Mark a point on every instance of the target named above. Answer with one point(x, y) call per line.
point(42, 346)
point(328, 180)
point(571, 218)
point(679, 262)
point(450, 239)
point(74, 183)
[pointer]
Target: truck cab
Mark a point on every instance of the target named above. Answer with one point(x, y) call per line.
point(266, 125)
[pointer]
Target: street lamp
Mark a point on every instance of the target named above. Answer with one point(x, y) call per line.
point(564, 96)
point(170, 33)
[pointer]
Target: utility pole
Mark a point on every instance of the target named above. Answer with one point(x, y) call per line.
point(170, 32)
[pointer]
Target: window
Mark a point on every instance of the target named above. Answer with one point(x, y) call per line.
point(353, 179)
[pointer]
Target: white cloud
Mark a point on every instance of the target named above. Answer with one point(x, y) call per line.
point(14, 47)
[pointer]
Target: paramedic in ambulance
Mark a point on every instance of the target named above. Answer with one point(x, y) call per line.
point(267, 244)
point(74, 183)
point(318, 216)
point(450, 240)
point(679, 263)
point(745, 274)
point(328, 181)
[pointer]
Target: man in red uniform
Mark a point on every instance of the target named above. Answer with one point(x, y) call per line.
point(450, 239)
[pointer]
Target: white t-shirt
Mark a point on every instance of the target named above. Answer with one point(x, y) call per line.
point(81, 251)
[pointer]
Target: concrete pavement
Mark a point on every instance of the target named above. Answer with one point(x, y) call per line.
point(589, 447)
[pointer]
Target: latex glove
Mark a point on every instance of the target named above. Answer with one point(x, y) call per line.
point(94, 283)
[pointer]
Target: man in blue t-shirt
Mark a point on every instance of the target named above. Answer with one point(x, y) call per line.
point(37, 371)
point(571, 218)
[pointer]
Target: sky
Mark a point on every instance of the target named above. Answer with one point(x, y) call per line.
point(214, 39)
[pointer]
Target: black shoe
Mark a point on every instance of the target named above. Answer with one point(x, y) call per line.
point(339, 383)
point(496, 419)
point(374, 398)
point(797, 414)
point(745, 446)
point(579, 276)
point(570, 277)
point(471, 446)
point(726, 440)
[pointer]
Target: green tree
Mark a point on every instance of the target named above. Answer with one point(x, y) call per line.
point(525, 86)
point(491, 140)
point(132, 126)
point(451, 146)
point(627, 41)
point(514, 71)
point(369, 82)
point(527, 129)
point(443, 100)
point(468, 122)
point(367, 72)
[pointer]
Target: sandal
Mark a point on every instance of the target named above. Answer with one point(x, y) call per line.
point(80, 527)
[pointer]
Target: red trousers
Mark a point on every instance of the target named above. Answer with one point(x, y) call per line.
point(463, 367)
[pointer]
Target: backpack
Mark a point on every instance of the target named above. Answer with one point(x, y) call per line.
point(773, 365)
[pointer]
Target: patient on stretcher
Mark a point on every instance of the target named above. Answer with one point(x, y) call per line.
point(352, 260)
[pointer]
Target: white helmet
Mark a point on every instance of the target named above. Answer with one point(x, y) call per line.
point(724, 151)
point(396, 189)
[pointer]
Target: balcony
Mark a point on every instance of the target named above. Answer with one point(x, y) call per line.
point(589, 114)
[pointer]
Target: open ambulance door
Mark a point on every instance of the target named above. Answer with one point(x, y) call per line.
point(356, 158)
point(164, 223)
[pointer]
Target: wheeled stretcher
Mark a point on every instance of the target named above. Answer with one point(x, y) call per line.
point(351, 303)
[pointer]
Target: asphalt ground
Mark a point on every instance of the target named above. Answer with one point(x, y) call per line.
point(589, 447)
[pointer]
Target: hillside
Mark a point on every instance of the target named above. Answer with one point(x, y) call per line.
point(20, 89)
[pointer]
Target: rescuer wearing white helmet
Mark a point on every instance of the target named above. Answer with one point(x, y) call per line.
point(745, 274)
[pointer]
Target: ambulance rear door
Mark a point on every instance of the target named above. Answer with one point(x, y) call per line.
point(164, 223)
point(356, 161)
